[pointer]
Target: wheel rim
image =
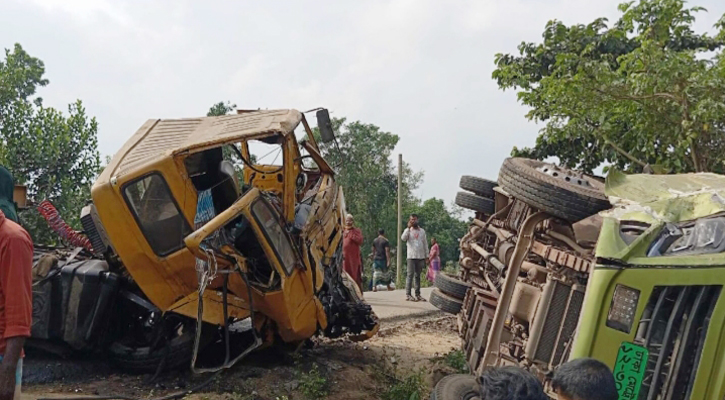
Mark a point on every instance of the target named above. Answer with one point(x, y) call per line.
point(565, 175)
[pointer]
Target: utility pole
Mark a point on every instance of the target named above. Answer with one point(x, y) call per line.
point(399, 251)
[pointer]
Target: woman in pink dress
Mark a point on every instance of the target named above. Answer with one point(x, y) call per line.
point(434, 260)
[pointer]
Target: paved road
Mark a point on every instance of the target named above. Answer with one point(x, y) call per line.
point(391, 305)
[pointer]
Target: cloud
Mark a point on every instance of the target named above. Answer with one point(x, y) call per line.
point(418, 68)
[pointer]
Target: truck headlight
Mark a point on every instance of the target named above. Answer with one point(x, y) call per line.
point(623, 308)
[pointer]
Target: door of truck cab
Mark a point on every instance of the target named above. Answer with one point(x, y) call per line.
point(252, 232)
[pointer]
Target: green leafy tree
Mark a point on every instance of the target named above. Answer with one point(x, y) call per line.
point(647, 90)
point(362, 158)
point(54, 154)
point(221, 108)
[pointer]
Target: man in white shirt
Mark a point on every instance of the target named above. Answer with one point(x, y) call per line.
point(417, 246)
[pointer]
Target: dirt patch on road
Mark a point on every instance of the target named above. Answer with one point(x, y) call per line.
point(338, 369)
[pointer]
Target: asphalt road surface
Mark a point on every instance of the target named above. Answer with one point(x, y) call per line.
point(391, 305)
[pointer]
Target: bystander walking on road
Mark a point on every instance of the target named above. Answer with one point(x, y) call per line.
point(417, 249)
point(584, 379)
point(381, 261)
point(16, 304)
point(351, 242)
point(434, 260)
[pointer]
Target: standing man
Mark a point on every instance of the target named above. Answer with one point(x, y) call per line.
point(352, 239)
point(381, 261)
point(417, 248)
point(16, 301)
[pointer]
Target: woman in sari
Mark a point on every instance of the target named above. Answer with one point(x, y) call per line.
point(434, 260)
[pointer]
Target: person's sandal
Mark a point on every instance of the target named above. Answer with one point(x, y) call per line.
point(410, 298)
point(419, 298)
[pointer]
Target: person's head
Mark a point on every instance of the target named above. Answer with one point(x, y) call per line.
point(584, 379)
point(7, 186)
point(433, 241)
point(510, 383)
point(414, 220)
point(349, 220)
point(381, 232)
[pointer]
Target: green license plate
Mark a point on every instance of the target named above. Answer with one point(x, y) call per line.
point(629, 370)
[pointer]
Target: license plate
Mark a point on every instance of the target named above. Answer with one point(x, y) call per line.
point(629, 370)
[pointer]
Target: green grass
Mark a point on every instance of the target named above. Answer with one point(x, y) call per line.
point(313, 385)
point(456, 359)
point(411, 387)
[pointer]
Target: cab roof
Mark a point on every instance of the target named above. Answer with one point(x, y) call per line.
point(164, 137)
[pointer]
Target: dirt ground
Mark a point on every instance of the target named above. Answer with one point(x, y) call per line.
point(336, 369)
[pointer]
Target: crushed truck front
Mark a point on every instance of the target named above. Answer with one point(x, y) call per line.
point(654, 309)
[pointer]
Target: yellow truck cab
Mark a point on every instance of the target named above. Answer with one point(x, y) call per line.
point(200, 235)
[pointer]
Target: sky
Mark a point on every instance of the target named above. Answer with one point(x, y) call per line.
point(420, 69)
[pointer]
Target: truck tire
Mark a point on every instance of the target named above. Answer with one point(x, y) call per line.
point(445, 302)
point(146, 359)
point(479, 186)
point(457, 387)
point(451, 286)
point(475, 203)
point(553, 190)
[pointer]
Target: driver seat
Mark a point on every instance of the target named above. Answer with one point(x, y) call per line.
point(226, 192)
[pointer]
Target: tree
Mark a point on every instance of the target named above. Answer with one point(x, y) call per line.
point(221, 108)
point(647, 90)
point(362, 158)
point(55, 155)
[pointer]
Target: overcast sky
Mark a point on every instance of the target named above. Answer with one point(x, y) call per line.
point(420, 69)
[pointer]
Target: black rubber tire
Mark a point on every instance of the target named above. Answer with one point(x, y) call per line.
point(451, 286)
point(457, 387)
point(479, 186)
point(475, 203)
point(571, 202)
point(144, 360)
point(445, 302)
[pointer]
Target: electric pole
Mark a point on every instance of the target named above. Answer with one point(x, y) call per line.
point(399, 250)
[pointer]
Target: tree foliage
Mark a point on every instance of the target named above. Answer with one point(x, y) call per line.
point(54, 154)
point(221, 108)
point(365, 170)
point(647, 90)
point(369, 177)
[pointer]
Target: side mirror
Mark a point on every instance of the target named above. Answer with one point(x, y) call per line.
point(325, 126)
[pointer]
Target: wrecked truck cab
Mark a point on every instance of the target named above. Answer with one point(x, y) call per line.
point(654, 307)
point(629, 272)
point(190, 215)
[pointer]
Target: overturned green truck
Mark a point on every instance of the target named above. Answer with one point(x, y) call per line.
point(558, 265)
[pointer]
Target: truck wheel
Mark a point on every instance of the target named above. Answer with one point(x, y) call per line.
point(475, 203)
point(445, 302)
point(146, 359)
point(457, 387)
point(451, 286)
point(479, 186)
point(553, 190)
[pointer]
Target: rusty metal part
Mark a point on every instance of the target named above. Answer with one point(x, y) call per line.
point(517, 215)
point(524, 301)
point(569, 241)
point(495, 216)
point(537, 324)
point(505, 250)
point(561, 257)
point(488, 256)
point(501, 234)
point(524, 243)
